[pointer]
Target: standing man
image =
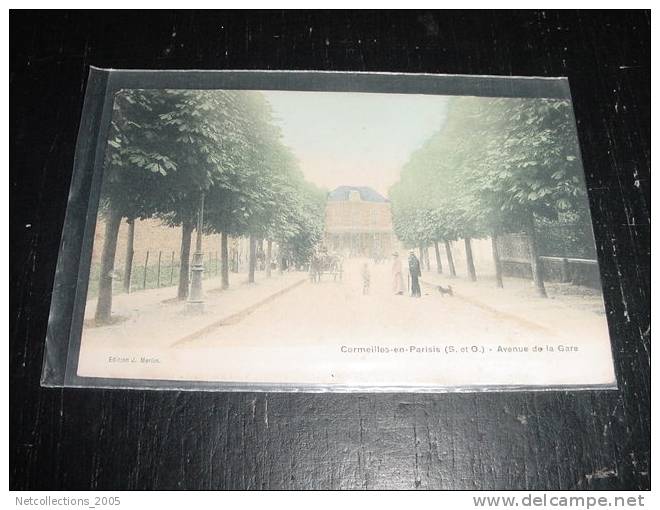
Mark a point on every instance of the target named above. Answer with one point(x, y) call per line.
point(415, 273)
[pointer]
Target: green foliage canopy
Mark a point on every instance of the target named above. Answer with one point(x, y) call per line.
point(167, 147)
point(493, 163)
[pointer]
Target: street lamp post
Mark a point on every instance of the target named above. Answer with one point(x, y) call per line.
point(195, 303)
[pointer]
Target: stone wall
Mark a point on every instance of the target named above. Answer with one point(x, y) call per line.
point(576, 271)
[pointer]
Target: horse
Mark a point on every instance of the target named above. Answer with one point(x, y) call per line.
point(324, 262)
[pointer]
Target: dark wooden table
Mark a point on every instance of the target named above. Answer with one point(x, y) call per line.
point(92, 439)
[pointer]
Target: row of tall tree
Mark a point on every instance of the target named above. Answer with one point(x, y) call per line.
point(496, 165)
point(171, 153)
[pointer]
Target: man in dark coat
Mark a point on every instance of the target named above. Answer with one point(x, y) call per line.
point(415, 273)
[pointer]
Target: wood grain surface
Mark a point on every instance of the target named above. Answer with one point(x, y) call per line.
point(93, 439)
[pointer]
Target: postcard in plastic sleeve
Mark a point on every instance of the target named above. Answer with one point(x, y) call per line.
point(321, 231)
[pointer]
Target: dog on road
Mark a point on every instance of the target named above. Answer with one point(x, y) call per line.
point(445, 291)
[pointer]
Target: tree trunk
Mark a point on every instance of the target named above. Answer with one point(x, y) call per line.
point(438, 262)
point(252, 260)
point(421, 257)
point(565, 271)
point(269, 254)
point(234, 257)
point(224, 253)
point(262, 253)
point(496, 261)
point(450, 259)
point(427, 259)
point(184, 266)
point(472, 274)
point(128, 263)
point(104, 302)
point(537, 268)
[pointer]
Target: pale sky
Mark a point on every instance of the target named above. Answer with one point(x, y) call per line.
point(355, 139)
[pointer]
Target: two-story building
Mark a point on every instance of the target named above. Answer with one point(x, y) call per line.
point(358, 222)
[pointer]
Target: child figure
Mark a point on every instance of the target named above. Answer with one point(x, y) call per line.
point(366, 279)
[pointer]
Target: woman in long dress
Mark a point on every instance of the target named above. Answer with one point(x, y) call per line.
point(397, 275)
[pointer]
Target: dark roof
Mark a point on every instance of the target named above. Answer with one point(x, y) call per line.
point(366, 194)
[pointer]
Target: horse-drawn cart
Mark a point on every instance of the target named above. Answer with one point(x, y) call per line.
point(326, 263)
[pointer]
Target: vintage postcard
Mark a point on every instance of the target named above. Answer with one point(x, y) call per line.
point(320, 238)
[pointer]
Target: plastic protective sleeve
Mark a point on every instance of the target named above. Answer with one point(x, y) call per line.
point(72, 271)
